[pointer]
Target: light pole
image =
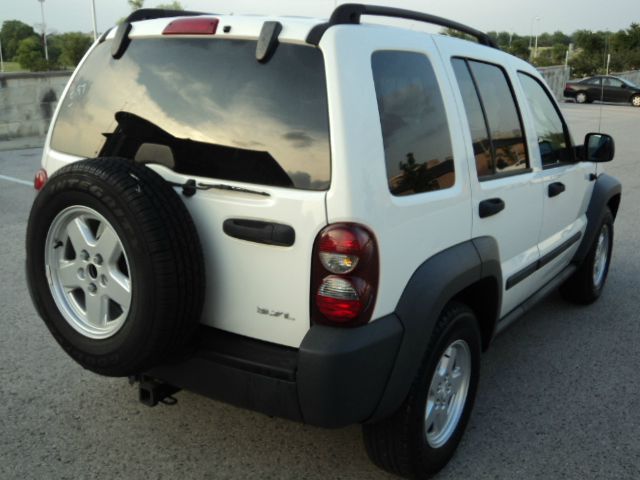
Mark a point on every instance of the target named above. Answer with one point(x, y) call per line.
point(533, 20)
point(1, 58)
point(44, 31)
point(95, 23)
point(535, 50)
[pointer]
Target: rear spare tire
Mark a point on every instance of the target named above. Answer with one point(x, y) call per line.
point(114, 265)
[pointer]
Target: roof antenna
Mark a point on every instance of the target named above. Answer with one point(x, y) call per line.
point(606, 59)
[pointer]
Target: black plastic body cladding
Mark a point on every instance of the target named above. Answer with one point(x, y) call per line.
point(604, 190)
point(342, 373)
point(339, 376)
point(433, 284)
point(335, 379)
point(489, 254)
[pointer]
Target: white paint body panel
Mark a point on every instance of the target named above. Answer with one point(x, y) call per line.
point(564, 215)
point(246, 278)
point(408, 229)
point(243, 277)
point(517, 227)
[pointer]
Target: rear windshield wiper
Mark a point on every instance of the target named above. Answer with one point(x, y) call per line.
point(190, 187)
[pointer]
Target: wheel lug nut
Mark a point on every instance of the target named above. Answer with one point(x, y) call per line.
point(97, 259)
point(81, 273)
point(103, 280)
point(84, 255)
point(92, 288)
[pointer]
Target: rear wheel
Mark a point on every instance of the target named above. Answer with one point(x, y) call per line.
point(114, 265)
point(586, 284)
point(421, 437)
point(582, 97)
point(635, 100)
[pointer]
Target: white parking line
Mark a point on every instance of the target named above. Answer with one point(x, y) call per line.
point(16, 180)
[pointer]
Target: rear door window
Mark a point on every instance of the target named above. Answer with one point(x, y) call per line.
point(204, 107)
point(487, 85)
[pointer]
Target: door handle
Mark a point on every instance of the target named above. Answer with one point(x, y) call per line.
point(490, 207)
point(260, 232)
point(556, 189)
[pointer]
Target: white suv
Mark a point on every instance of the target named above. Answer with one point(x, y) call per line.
point(326, 222)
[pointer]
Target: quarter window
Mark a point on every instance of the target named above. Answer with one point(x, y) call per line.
point(417, 143)
point(553, 140)
point(486, 86)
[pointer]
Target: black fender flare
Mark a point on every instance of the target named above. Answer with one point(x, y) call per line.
point(605, 189)
point(438, 280)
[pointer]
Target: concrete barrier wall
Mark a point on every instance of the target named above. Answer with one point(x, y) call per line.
point(556, 78)
point(27, 102)
point(633, 77)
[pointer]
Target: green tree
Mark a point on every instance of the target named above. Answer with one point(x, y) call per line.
point(30, 54)
point(135, 4)
point(171, 6)
point(519, 47)
point(11, 34)
point(73, 46)
point(451, 32)
point(559, 38)
point(584, 64)
point(54, 46)
point(544, 40)
point(590, 42)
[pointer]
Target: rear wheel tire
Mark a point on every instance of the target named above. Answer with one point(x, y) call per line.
point(635, 100)
point(422, 435)
point(586, 284)
point(114, 265)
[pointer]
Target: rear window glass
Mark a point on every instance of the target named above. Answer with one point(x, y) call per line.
point(204, 107)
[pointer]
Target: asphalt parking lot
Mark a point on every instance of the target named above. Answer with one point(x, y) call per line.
point(559, 394)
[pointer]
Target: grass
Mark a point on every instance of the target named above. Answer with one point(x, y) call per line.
point(12, 67)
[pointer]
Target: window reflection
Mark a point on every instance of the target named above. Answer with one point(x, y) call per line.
point(221, 112)
point(553, 143)
point(494, 122)
point(502, 117)
point(415, 132)
point(479, 133)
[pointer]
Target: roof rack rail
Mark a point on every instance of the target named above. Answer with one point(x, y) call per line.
point(152, 13)
point(350, 13)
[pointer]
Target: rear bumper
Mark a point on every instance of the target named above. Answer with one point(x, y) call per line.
point(336, 377)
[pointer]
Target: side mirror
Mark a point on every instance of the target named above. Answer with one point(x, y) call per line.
point(599, 147)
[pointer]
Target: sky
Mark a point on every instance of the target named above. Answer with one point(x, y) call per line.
point(518, 16)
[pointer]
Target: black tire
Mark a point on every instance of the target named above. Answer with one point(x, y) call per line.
point(165, 263)
point(635, 100)
point(582, 288)
point(398, 444)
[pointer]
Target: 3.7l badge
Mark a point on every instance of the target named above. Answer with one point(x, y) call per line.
point(275, 313)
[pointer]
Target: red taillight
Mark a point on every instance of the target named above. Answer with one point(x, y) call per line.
point(192, 26)
point(344, 275)
point(568, 87)
point(40, 179)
